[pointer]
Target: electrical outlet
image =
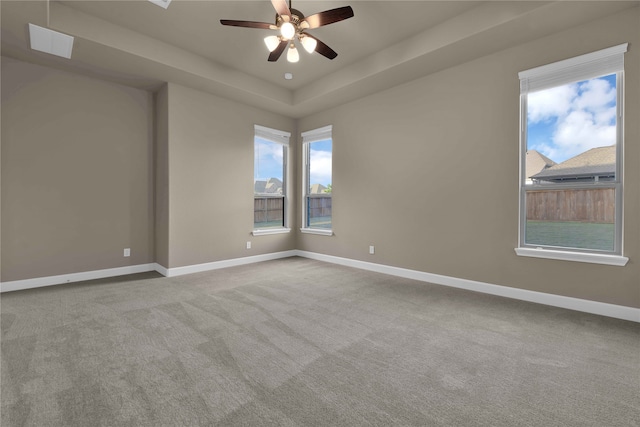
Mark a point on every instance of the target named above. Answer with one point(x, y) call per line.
point(127, 252)
point(249, 245)
point(372, 250)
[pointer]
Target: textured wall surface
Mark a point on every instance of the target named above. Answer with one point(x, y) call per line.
point(422, 155)
point(77, 173)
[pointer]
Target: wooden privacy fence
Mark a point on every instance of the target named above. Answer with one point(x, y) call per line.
point(268, 209)
point(319, 206)
point(590, 205)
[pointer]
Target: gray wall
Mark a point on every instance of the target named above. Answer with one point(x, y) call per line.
point(428, 172)
point(76, 173)
point(210, 178)
point(162, 177)
point(433, 162)
point(79, 183)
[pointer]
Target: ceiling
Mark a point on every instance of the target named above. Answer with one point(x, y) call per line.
point(386, 43)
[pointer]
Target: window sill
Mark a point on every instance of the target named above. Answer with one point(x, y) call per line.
point(267, 231)
point(616, 260)
point(319, 231)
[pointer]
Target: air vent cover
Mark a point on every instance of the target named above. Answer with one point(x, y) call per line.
point(49, 41)
point(161, 3)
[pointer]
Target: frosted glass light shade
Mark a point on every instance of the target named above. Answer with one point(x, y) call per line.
point(292, 54)
point(309, 44)
point(272, 42)
point(288, 30)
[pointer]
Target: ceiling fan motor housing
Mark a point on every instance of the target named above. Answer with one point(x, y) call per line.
point(296, 18)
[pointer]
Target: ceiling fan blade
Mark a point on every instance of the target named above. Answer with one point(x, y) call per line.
point(273, 57)
point(327, 17)
point(248, 24)
point(322, 48)
point(281, 7)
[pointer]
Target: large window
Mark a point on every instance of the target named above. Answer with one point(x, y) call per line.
point(571, 158)
point(270, 180)
point(317, 184)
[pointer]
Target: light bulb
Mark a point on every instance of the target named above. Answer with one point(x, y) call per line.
point(309, 43)
point(288, 30)
point(292, 54)
point(272, 42)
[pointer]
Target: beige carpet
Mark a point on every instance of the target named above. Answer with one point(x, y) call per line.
point(298, 342)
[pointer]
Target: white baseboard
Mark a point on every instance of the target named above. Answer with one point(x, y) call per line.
point(587, 306)
point(197, 268)
point(38, 282)
point(161, 269)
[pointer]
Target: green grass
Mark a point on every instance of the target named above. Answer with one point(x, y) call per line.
point(320, 222)
point(581, 235)
point(267, 224)
point(317, 222)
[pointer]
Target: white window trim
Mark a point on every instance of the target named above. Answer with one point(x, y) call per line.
point(278, 137)
point(602, 62)
point(589, 257)
point(268, 231)
point(315, 135)
point(599, 63)
point(318, 231)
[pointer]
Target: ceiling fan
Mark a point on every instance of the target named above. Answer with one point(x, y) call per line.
point(292, 25)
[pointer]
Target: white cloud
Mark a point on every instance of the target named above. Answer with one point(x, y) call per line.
point(555, 102)
point(583, 116)
point(269, 151)
point(579, 132)
point(320, 167)
point(268, 160)
point(596, 95)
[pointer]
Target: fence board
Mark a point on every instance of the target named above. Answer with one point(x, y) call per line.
point(319, 206)
point(589, 205)
point(268, 209)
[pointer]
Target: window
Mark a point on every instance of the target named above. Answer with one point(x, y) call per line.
point(270, 181)
point(317, 184)
point(571, 159)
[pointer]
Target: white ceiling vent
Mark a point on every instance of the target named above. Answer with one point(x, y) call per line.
point(49, 41)
point(161, 3)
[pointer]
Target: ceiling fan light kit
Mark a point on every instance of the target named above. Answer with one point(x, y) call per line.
point(287, 30)
point(291, 25)
point(272, 42)
point(292, 53)
point(309, 44)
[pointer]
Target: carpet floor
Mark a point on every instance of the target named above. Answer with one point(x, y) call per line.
point(298, 342)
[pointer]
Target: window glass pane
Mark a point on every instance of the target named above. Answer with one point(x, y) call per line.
point(268, 212)
point(571, 133)
point(571, 139)
point(319, 190)
point(571, 218)
point(268, 184)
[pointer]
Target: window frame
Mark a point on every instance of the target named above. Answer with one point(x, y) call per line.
point(277, 137)
point(592, 65)
point(309, 137)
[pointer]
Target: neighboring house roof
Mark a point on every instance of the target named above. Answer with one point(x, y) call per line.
point(274, 185)
point(599, 161)
point(317, 189)
point(259, 186)
point(537, 162)
point(270, 186)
